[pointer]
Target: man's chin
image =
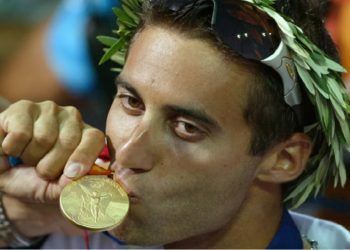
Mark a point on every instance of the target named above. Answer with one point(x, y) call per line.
point(134, 236)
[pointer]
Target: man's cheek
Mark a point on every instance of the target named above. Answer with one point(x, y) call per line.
point(120, 126)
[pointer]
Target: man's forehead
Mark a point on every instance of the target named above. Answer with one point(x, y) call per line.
point(173, 56)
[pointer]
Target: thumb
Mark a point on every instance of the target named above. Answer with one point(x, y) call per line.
point(23, 182)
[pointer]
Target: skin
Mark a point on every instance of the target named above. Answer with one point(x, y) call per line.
point(192, 184)
point(183, 171)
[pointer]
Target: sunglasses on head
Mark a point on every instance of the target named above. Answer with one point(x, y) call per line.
point(252, 34)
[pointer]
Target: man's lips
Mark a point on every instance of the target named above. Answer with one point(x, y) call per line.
point(120, 177)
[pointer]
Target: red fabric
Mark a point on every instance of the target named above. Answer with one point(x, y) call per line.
point(86, 239)
point(105, 154)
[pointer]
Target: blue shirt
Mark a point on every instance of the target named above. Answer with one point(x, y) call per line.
point(288, 235)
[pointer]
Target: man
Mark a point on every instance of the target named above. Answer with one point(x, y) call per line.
point(198, 138)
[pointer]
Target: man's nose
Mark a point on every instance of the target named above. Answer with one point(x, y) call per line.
point(137, 152)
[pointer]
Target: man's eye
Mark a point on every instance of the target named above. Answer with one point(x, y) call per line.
point(188, 131)
point(131, 103)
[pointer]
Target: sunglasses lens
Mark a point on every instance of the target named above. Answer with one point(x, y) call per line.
point(248, 31)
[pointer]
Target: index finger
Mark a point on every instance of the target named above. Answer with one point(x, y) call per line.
point(86, 153)
point(19, 129)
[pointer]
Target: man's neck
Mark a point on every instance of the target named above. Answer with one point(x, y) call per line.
point(254, 226)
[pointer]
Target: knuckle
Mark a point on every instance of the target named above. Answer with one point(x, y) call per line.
point(74, 112)
point(95, 133)
point(21, 107)
point(50, 106)
point(44, 140)
point(9, 150)
point(26, 103)
point(70, 143)
point(21, 136)
point(46, 173)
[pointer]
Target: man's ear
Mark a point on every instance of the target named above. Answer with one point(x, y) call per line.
point(285, 161)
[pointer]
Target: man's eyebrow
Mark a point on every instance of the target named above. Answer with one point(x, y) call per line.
point(120, 82)
point(197, 114)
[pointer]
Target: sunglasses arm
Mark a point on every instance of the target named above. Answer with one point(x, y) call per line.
point(284, 65)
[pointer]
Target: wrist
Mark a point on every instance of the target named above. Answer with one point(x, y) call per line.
point(29, 219)
point(10, 235)
point(36, 219)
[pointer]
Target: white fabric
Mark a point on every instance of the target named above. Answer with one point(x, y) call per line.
point(329, 235)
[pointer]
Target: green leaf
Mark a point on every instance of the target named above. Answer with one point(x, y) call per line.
point(107, 40)
point(301, 62)
point(334, 66)
point(281, 22)
point(338, 109)
point(118, 70)
point(319, 69)
point(344, 125)
point(321, 89)
point(306, 42)
point(333, 127)
point(319, 59)
point(335, 90)
point(119, 58)
point(300, 188)
point(322, 110)
point(304, 196)
point(322, 169)
point(336, 149)
point(307, 79)
point(299, 50)
point(123, 17)
point(112, 50)
point(131, 14)
point(342, 173)
point(132, 4)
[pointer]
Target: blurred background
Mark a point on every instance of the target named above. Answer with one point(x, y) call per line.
point(17, 19)
point(48, 50)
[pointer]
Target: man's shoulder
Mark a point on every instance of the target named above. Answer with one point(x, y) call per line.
point(328, 234)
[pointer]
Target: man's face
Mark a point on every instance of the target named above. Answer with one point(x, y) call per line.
point(179, 139)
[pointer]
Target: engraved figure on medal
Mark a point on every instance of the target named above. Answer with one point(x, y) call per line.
point(92, 206)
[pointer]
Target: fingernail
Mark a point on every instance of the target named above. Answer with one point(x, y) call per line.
point(73, 170)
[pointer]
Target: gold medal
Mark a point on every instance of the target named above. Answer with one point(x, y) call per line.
point(94, 202)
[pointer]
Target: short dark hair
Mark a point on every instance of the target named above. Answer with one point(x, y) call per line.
point(269, 117)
